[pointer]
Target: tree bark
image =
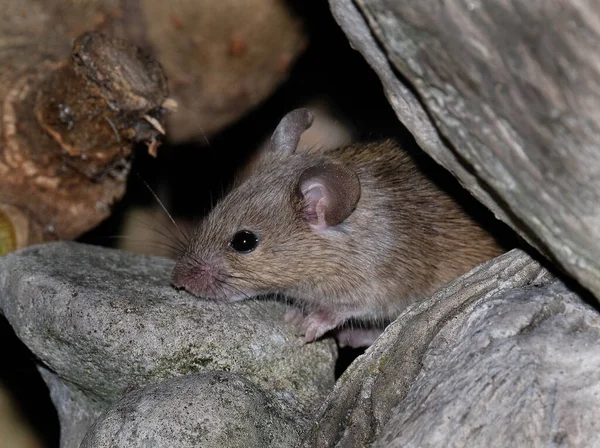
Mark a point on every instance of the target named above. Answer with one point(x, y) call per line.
point(68, 127)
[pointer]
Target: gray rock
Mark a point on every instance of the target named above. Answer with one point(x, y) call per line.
point(105, 322)
point(506, 355)
point(215, 409)
point(505, 95)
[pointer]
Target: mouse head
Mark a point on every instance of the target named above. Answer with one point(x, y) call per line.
point(276, 232)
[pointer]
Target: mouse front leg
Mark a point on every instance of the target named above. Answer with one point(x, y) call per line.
point(315, 324)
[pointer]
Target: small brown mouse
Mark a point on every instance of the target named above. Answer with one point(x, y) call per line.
point(352, 234)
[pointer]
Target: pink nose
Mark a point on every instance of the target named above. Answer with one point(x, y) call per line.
point(198, 277)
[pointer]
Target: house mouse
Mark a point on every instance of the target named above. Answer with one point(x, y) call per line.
point(351, 235)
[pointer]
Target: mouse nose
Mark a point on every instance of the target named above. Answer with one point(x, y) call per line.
point(196, 276)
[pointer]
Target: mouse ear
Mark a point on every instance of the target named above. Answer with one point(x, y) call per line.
point(290, 128)
point(331, 192)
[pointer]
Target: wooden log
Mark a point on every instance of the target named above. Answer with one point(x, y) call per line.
point(67, 132)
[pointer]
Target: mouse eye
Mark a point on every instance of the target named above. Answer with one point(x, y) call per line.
point(244, 241)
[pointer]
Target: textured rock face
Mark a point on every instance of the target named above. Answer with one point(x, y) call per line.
point(506, 355)
point(106, 322)
point(506, 96)
point(211, 410)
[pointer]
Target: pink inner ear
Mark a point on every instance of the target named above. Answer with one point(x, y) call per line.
point(314, 205)
point(330, 192)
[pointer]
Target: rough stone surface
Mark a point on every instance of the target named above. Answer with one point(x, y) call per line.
point(506, 95)
point(506, 355)
point(104, 322)
point(215, 409)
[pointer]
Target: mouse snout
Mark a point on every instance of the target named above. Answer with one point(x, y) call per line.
point(199, 277)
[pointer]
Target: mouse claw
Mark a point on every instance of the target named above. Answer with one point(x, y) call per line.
point(316, 324)
point(309, 326)
point(312, 332)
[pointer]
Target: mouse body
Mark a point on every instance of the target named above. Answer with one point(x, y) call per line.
point(351, 235)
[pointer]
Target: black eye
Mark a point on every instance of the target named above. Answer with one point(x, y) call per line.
point(244, 241)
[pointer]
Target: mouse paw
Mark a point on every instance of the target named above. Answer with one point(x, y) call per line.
point(318, 323)
point(294, 317)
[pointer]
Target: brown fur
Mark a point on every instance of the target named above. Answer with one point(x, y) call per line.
point(405, 239)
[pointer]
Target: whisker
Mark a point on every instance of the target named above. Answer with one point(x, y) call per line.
point(170, 236)
point(204, 136)
point(131, 239)
point(150, 244)
point(211, 199)
point(254, 299)
point(185, 237)
point(229, 288)
point(266, 309)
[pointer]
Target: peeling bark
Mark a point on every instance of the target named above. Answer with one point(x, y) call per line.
point(67, 133)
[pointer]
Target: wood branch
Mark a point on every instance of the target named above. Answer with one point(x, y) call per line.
point(67, 133)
